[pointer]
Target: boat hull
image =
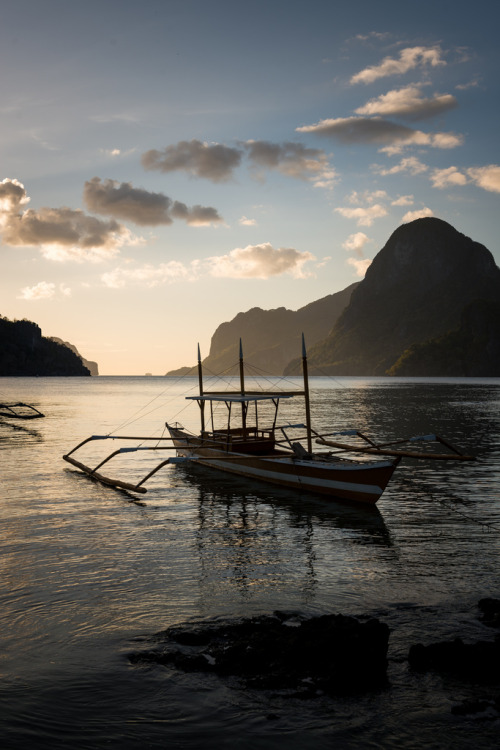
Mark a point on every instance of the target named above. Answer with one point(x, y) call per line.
point(353, 481)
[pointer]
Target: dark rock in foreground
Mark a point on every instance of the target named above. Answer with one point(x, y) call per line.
point(475, 662)
point(332, 653)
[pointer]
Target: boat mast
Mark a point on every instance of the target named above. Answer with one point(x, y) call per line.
point(201, 402)
point(306, 395)
point(242, 390)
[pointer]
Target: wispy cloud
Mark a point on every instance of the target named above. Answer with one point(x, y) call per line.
point(60, 233)
point(252, 262)
point(409, 164)
point(408, 103)
point(213, 162)
point(123, 201)
point(409, 59)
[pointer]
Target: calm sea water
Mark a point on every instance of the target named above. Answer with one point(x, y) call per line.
point(89, 573)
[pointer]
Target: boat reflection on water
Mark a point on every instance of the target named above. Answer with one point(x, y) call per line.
point(258, 540)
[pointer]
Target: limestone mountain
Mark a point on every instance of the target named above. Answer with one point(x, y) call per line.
point(271, 338)
point(24, 351)
point(88, 363)
point(472, 349)
point(415, 291)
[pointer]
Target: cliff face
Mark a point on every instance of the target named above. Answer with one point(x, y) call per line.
point(24, 351)
point(89, 364)
point(415, 291)
point(472, 349)
point(271, 338)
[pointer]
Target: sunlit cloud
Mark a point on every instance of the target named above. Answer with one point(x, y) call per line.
point(443, 178)
point(409, 164)
point(60, 233)
point(487, 177)
point(213, 162)
point(147, 275)
point(419, 214)
point(364, 216)
point(409, 59)
point(142, 207)
point(251, 262)
point(43, 290)
point(408, 103)
point(367, 196)
point(360, 265)
point(355, 243)
point(246, 222)
point(403, 200)
point(259, 262)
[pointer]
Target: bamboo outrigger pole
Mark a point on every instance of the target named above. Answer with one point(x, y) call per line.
point(306, 395)
point(200, 382)
point(242, 389)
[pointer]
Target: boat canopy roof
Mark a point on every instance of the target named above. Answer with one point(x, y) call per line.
point(239, 398)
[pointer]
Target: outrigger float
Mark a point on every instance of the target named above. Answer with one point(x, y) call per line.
point(267, 453)
point(20, 411)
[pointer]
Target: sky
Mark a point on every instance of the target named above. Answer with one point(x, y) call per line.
point(166, 165)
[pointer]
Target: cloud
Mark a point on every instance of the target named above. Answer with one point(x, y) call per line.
point(147, 275)
point(259, 262)
point(442, 178)
point(409, 59)
point(251, 262)
point(123, 201)
point(465, 86)
point(367, 196)
point(377, 131)
point(43, 290)
point(60, 233)
point(355, 243)
point(360, 265)
point(408, 164)
point(364, 216)
point(291, 159)
point(12, 198)
point(487, 177)
point(408, 103)
point(245, 222)
point(403, 200)
point(212, 162)
point(419, 214)
point(197, 215)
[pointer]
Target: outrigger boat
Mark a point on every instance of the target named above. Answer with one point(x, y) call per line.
point(267, 453)
point(20, 411)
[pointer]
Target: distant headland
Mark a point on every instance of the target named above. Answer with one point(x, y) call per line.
point(24, 351)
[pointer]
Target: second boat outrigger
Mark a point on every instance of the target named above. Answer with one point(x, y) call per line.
point(266, 452)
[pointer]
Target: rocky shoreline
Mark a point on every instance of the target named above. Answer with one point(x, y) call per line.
point(329, 654)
